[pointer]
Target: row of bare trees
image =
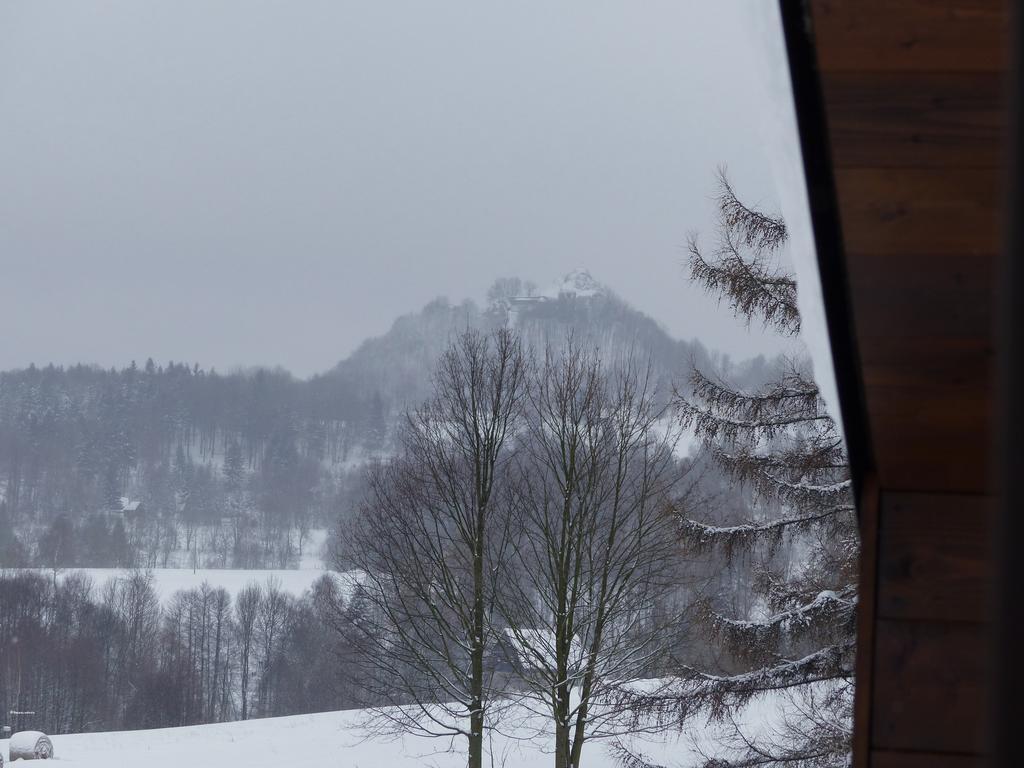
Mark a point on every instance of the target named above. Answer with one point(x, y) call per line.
point(518, 541)
point(88, 658)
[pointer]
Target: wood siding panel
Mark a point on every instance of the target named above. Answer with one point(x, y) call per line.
point(884, 759)
point(929, 686)
point(933, 556)
point(916, 119)
point(897, 295)
point(918, 445)
point(915, 105)
point(904, 211)
point(927, 374)
point(910, 35)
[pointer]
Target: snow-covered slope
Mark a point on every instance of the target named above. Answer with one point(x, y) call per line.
point(339, 740)
point(328, 740)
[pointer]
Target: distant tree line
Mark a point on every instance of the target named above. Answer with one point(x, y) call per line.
point(228, 470)
point(233, 470)
point(85, 657)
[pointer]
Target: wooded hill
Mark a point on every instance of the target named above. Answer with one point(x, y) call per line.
point(173, 464)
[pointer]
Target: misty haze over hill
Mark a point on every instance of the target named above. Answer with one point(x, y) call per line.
point(157, 465)
point(421, 361)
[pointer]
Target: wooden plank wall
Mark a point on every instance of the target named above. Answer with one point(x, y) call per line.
point(914, 100)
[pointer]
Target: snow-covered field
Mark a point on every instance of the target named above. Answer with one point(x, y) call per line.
point(340, 740)
point(328, 740)
point(167, 581)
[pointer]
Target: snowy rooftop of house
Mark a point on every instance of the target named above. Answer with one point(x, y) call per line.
point(577, 283)
point(127, 505)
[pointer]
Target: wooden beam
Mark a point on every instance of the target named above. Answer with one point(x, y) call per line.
point(916, 119)
point(920, 211)
point(929, 687)
point(886, 759)
point(934, 557)
point(911, 35)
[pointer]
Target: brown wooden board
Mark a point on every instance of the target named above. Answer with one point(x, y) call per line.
point(933, 556)
point(898, 295)
point(901, 35)
point(913, 449)
point(914, 99)
point(927, 373)
point(929, 686)
point(885, 759)
point(903, 211)
point(916, 119)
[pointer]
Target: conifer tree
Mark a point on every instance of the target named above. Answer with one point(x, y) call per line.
point(779, 440)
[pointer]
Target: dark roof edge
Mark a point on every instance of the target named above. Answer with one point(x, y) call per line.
point(828, 240)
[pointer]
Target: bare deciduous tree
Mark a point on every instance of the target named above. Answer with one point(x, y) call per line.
point(426, 539)
point(247, 606)
point(272, 619)
point(595, 534)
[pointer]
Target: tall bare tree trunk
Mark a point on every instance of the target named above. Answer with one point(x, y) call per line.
point(562, 738)
point(427, 538)
point(591, 509)
point(476, 716)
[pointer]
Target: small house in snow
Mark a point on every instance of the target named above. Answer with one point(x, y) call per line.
point(131, 509)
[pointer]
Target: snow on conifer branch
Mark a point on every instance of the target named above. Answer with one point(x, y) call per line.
point(731, 538)
point(791, 630)
point(789, 478)
point(717, 411)
point(757, 640)
point(812, 733)
point(718, 696)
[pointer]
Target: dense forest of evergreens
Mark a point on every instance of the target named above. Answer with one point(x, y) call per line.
point(158, 465)
point(243, 454)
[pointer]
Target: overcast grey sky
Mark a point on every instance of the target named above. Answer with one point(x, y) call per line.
point(241, 182)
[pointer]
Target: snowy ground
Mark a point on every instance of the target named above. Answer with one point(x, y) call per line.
point(312, 557)
point(329, 740)
point(167, 581)
point(339, 740)
point(314, 550)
